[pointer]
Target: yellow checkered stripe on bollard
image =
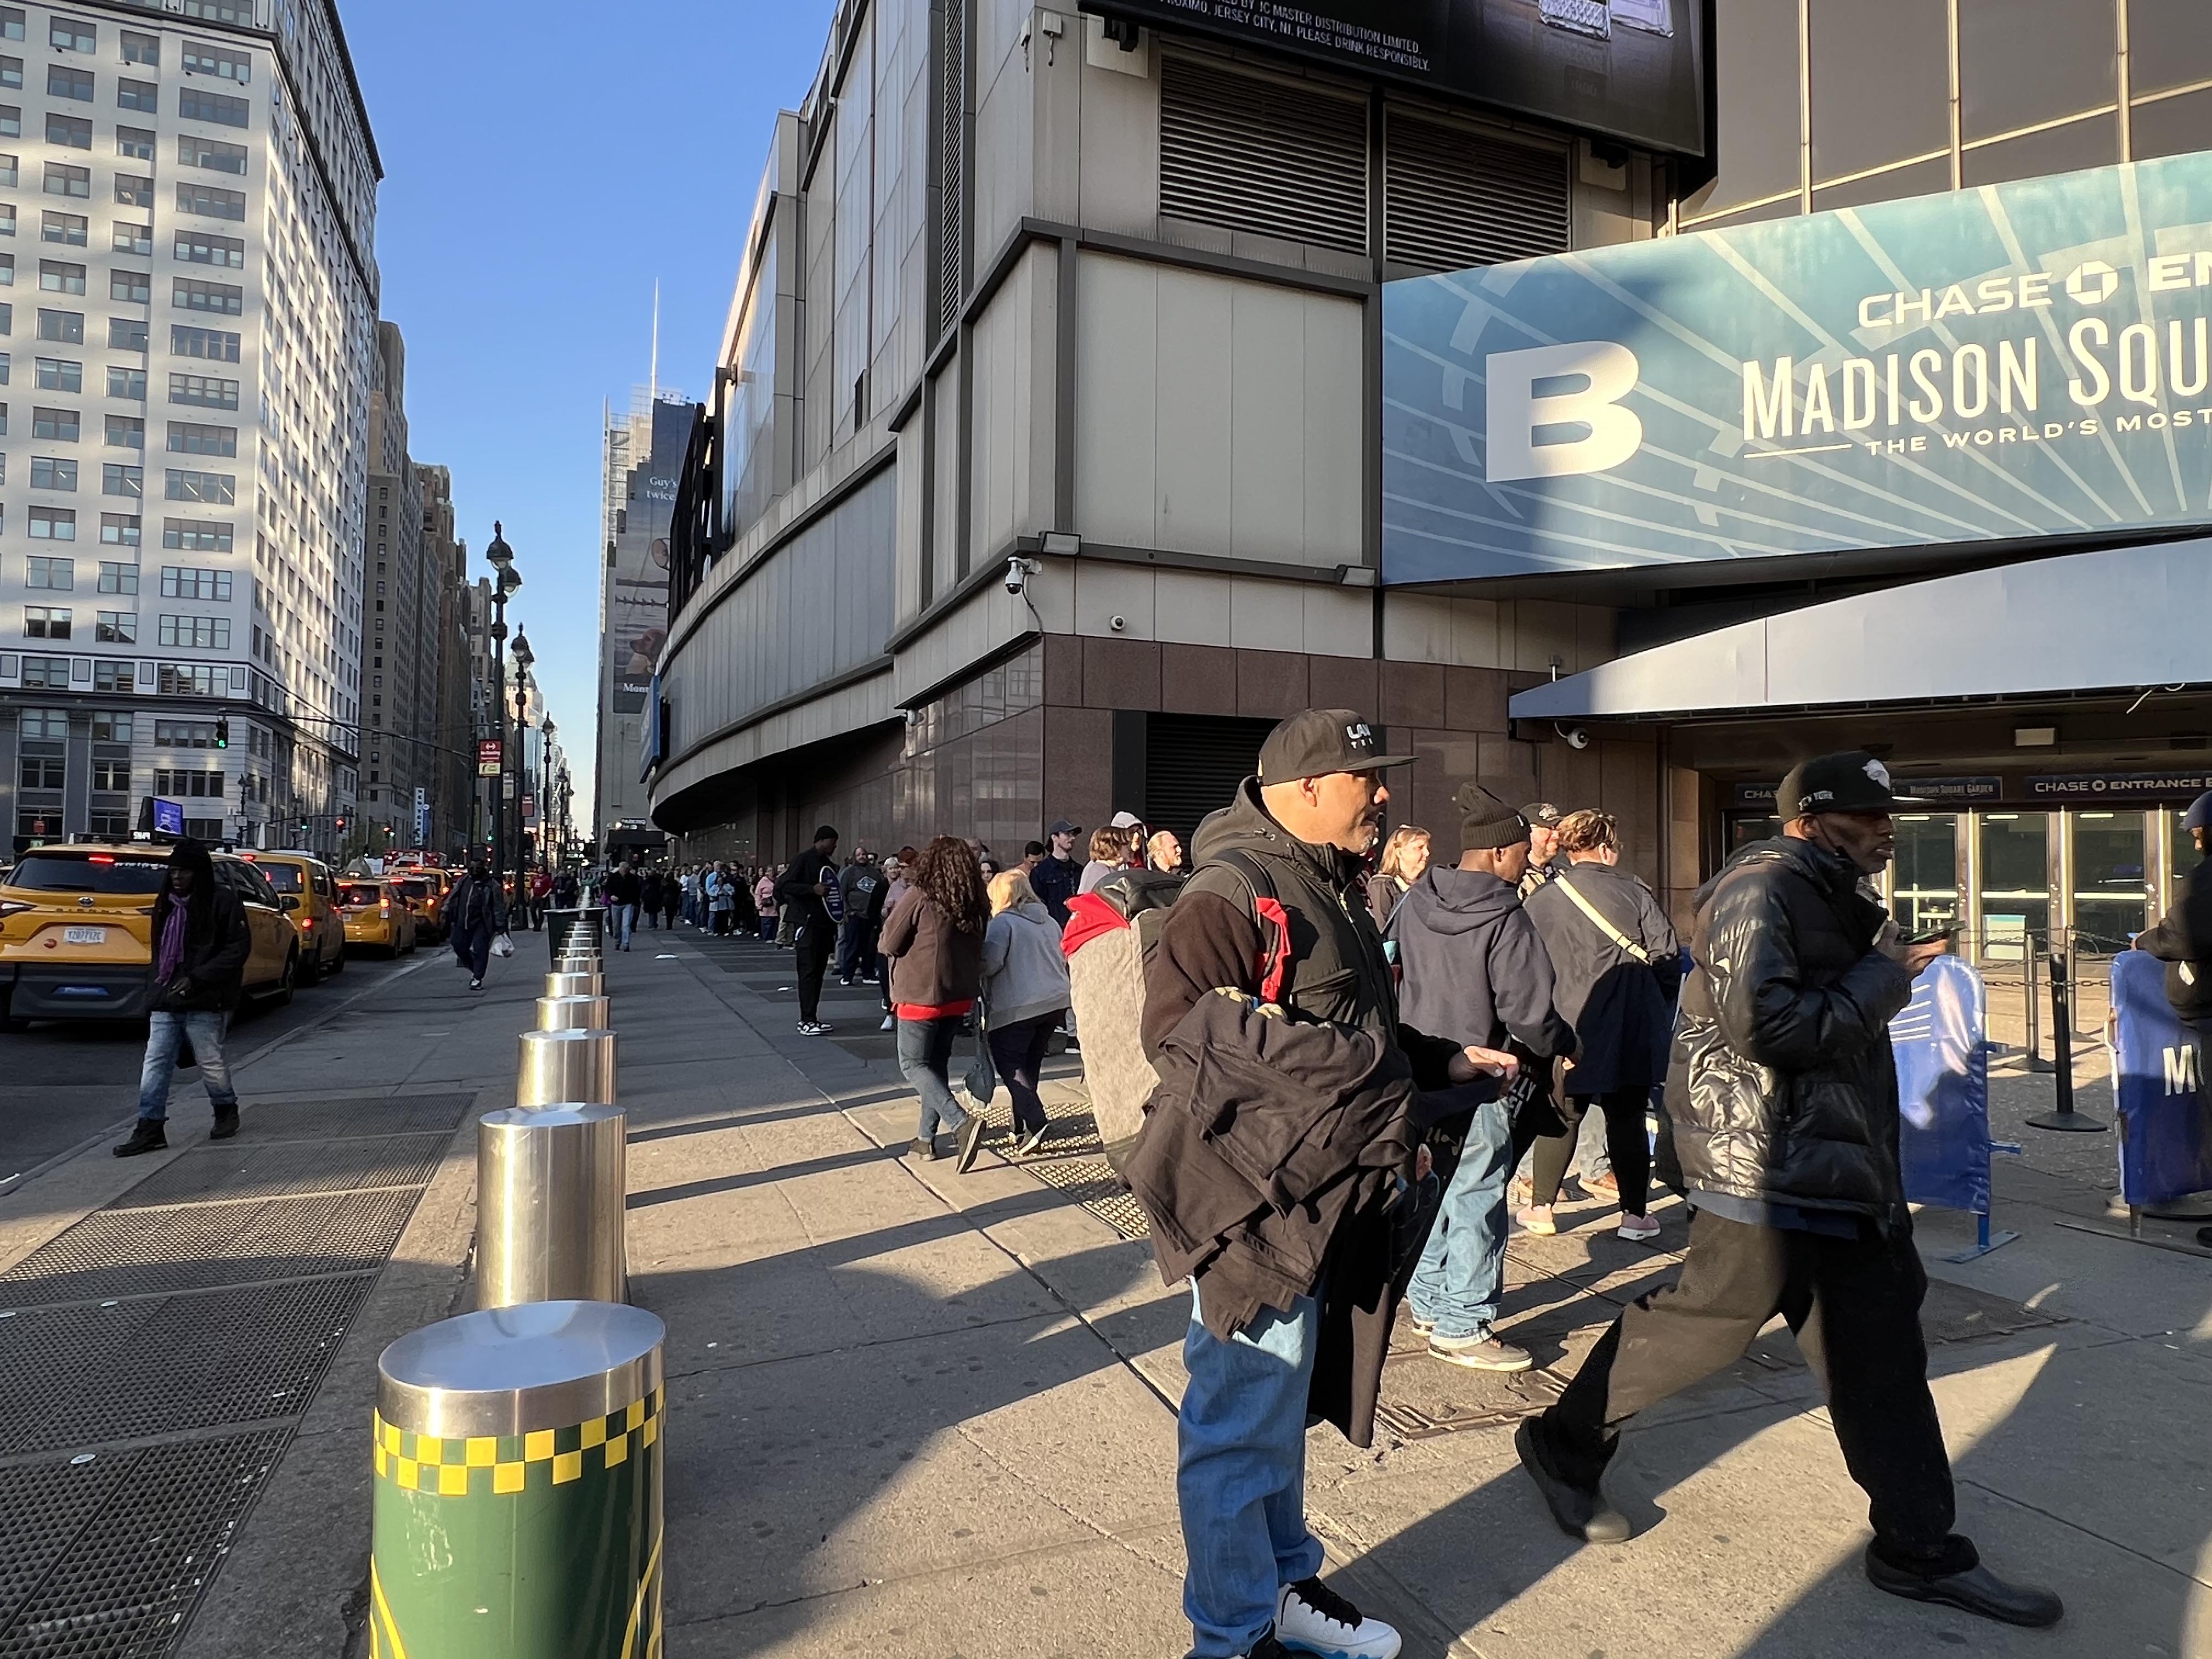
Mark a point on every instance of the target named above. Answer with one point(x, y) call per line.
point(514, 1462)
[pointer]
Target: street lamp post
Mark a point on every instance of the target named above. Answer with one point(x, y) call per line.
point(523, 658)
point(501, 556)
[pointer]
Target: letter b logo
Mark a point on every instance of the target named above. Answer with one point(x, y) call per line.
point(1518, 411)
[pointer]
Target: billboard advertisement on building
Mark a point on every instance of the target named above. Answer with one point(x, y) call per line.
point(2019, 362)
point(637, 585)
point(1634, 69)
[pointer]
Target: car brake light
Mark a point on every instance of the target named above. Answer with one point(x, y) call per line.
point(384, 907)
point(101, 858)
point(308, 922)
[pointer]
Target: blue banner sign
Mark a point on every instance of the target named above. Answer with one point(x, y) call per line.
point(1943, 1089)
point(2017, 362)
point(2158, 1076)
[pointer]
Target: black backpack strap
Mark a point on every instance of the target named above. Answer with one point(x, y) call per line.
point(1272, 921)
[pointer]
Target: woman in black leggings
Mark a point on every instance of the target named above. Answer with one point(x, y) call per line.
point(1617, 967)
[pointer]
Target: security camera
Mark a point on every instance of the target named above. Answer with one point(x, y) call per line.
point(1018, 572)
point(1577, 737)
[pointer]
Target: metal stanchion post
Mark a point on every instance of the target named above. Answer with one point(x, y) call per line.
point(518, 1486)
point(562, 1068)
point(550, 1184)
point(2062, 1048)
point(2036, 1062)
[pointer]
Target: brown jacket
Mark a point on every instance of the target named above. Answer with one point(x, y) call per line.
point(933, 961)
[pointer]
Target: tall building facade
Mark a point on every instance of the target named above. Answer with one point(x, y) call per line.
point(193, 191)
point(452, 762)
point(644, 458)
point(400, 617)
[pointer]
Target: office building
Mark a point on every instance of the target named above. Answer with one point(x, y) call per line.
point(452, 759)
point(399, 620)
point(187, 217)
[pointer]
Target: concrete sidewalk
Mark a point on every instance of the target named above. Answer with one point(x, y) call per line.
point(915, 1413)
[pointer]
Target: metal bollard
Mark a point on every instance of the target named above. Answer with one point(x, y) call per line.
point(565, 928)
point(550, 1184)
point(573, 985)
point(560, 1067)
point(572, 1013)
point(517, 1512)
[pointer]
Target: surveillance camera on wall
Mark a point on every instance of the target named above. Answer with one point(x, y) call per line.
point(1018, 572)
point(1577, 737)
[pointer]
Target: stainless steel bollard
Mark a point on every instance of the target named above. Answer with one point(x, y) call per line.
point(572, 1013)
point(565, 928)
point(549, 1183)
point(559, 1068)
point(559, 984)
point(518, 1490)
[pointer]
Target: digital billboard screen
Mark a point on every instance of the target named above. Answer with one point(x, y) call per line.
point(1632, 69)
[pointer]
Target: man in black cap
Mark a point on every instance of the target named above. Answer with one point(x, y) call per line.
point(1302, 827)
point(1544, 861)
point(1060, 873)
point(1782, 1095)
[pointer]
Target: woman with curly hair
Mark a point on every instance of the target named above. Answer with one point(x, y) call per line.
point(934, 939)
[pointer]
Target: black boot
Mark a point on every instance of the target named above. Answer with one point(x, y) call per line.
point(226, 1122)
point(1583, 1512)
point(147, 1137)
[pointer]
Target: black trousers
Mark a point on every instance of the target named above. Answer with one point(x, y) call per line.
point(812, 947)
point(1628, 1143)
point(1853, 1304)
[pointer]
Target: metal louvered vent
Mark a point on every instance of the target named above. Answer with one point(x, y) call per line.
point(952, 163)
point(1193, 765)
point(1248, 152)
point(1453, 197)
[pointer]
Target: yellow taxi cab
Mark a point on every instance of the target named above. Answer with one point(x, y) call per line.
point(76, 931)
point(374, 915)
point(309, 895)
point(425, 891)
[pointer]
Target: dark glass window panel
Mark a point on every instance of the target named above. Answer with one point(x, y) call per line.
point(2094, 142)
point(2169, 45)
point(1918, 179)
point(1751, 216)
point(1881, 83)
point(1757, 89)
point(2025, 61)
point(2173, 126)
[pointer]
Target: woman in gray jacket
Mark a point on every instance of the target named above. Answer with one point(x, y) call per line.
point(1025, 994)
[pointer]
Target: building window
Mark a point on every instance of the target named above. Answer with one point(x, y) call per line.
point(64, 180)
point(11, 121)
point(44, 572)
point(200, 247)
point(183, 680)
point(111, 776)
point(118, 530)
point(117, 479)
point(70, 132)
point(58, 277)
point(110, 726)
point(11, 74)
point(185, 582)
point(6, 218)
point(195, 105)
point(58, 424)
point(46, 724)
point(126, 431)
point(211, 201)
point(49, 672)
point(198, 535)
point(193, 294)
point(45, 622)
point(131, 287)
point(50, 472)
point(211, 343)
point(128, 383)
point(126, 334)
point(204, 390)
point(118, 577)
point(201, 59)
point(69, 229)
point(142, 48)
point(131, 190)
point(194, 151)
point(128, 238)
point(135, 143)
point(194, 633)
point(41, 771)
point(215, 489)
point(116, 628)
point(66, 327)
point(10, 170)
point(67, 81)
point(188, 439)
point(144, 95)
point(67, 35)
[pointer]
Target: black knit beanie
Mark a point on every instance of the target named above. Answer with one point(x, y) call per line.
point(1487, 822)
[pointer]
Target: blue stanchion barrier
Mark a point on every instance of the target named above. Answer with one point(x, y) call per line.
point(1943, 1097)
point(2166, 1120)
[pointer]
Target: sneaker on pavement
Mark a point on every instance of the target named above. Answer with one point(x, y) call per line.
point(1537, 1218)
point(147, 1137)
point(925, 1147)
point(1311, 1617)
point(1581, 1513)
point(1422, 1324)
point(971, 1142)
point(226, 1123)
point(476, 985)
point(1480, 1353)
point(1033, 1139)
point(890, 1023)
point(1638, 1229)
point(813, 1028)
point(1604, 1185)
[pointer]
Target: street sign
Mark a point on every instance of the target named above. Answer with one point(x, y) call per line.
point(422, 818)
point(529, 808)
point(490, 757)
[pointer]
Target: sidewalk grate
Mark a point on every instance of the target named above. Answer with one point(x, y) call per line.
point(107, 1558)
point(1092, 1182)
point(114, 1252)
point(88, 1375)
point(243, 1169)
point(324, 1121)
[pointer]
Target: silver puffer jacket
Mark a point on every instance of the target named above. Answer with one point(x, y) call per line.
point(1781, 1085)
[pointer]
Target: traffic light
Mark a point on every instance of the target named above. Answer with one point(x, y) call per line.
point(303, 829)
point(222, 735)
point(342, 825)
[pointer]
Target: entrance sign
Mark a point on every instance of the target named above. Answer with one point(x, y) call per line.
point(2022, 361)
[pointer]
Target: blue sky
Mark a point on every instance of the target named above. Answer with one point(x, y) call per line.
point(544, 165)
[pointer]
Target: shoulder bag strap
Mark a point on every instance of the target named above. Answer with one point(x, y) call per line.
point(1597, 917)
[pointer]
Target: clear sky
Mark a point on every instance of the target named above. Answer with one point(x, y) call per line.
point(544, 165)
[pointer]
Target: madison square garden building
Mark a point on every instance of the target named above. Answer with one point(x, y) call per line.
point(1619, 402)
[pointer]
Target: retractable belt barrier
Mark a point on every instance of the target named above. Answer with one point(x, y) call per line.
point(1943, 1097)
point(2158, 1082)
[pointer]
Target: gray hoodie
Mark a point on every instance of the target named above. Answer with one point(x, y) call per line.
point(1024, 973)
point(1475, 968)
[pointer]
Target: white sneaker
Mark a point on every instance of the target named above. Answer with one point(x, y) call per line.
point(1639, 1228)
point(890, 1023)
point(1311, 1617)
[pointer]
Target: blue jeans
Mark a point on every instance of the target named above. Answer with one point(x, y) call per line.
point(624, 917)
point(925, 1055)
point(165, 1034)
point(1241, 1473)
point(1462, 1267)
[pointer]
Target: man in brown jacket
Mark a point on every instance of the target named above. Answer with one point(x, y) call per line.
point(1303, 828)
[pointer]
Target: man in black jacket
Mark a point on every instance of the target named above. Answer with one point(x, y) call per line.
point(200, 944)
point(476, 913)
point(1782, 1093)
point(1302, 826)
point(803, 890)
point(2183, 939)
point(1475, 970)
point(1055, 876)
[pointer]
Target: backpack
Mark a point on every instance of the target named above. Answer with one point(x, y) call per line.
point(1112, 932)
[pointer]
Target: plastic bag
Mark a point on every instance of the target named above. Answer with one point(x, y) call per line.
point(503, 945)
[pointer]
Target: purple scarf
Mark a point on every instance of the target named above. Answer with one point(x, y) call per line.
point(170, 951)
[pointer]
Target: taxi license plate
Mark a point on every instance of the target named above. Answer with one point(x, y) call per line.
point(84, 936)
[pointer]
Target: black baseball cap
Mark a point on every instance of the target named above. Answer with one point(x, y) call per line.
point(1319, 741)
point(1853, 781)
point(1062, 827)
point(1543, 812)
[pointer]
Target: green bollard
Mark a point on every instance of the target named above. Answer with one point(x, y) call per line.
point(517, 1486)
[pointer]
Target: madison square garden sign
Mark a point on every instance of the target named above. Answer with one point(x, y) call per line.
point(2012, 363)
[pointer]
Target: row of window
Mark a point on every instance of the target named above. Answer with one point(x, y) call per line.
point(78, 34)
point(192, 247)
point(123, 432)
point(126, 334)
point(75, 131)
point(66, 374)
point(178, 582)
point(108, 726)
point(76, 83)
point(172, 679)
point(59, 524)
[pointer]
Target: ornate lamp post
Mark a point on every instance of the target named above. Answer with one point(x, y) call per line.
point(501, 556)
point(523, 658)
